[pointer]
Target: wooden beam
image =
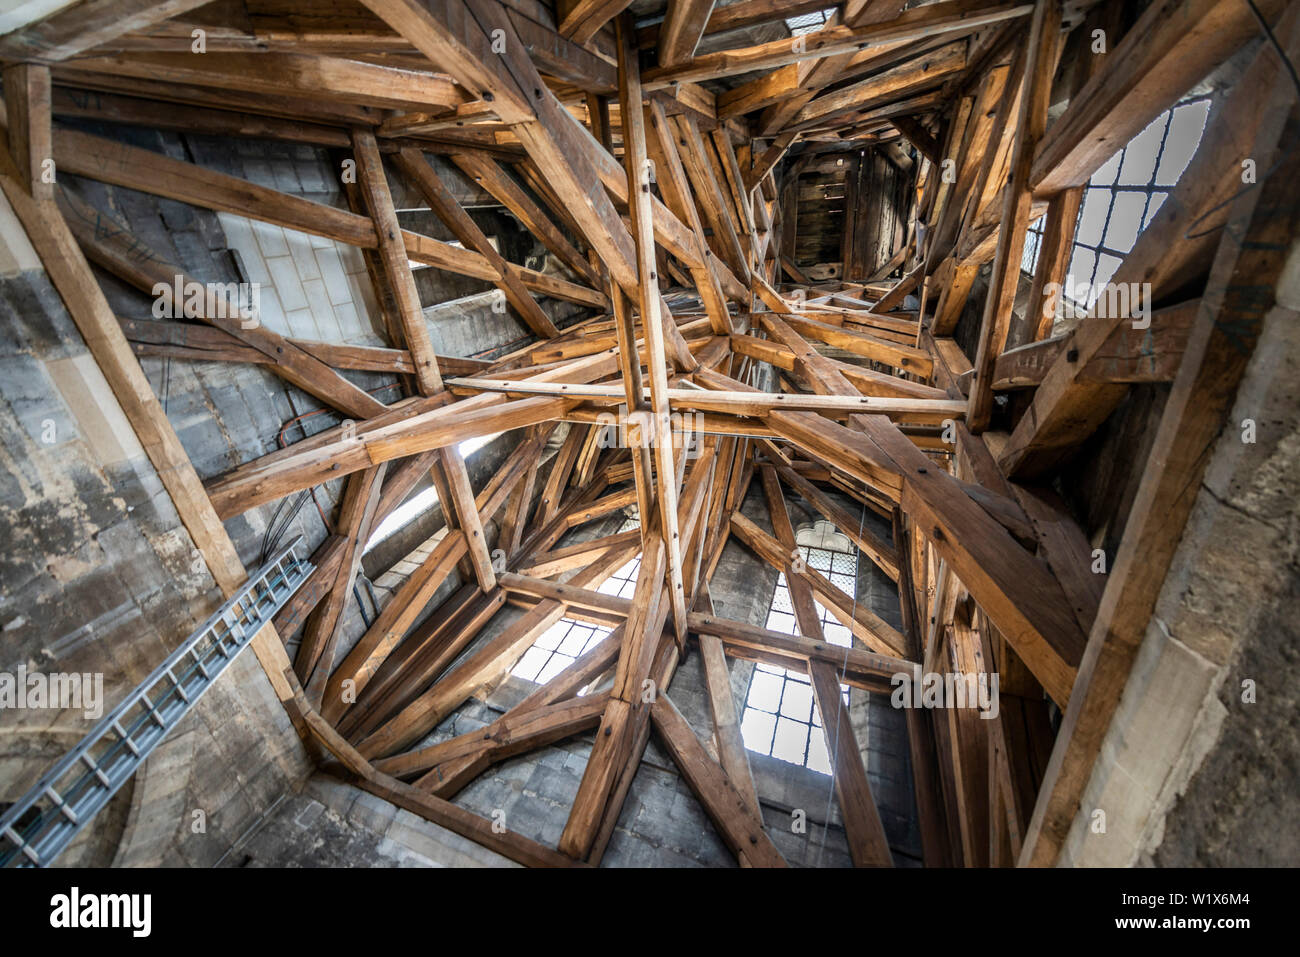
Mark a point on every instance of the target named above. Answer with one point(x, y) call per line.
point(589, 17)
point(683, 26)
point(88, 24)
point(299, 75)
point(315, 658)
point(440, 199)
point(726, 722)
point(868, 845)
point(1242, 296)
point(738, 826)
point(1043, 42)
point(27, 105)
point(652, 323)
point(487, 172)
point(1173, 45)
point(1129, 355)
point(397, 269)
point(914, 24)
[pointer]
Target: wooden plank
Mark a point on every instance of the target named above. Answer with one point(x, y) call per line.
point(359, 666)
point(907, 358)
point(676, 190)
point(807, 619)
point(854, 666)
point(735, 402)
point(1055, 249)
point(483, 666)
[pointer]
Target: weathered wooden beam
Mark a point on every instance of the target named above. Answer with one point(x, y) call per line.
point(868, 845)
point(440, 199)
point(315, 658)
point(415, 331)
point(1173, 45)
point(301, 75)
point(1129, 355)
point(738, 826)
point(1043, 43)
point(914, 24)
point(73, 30)
point(655, 428)
point(683, 26)
point(27, 105)
point(1244, 293)
point(488, 173)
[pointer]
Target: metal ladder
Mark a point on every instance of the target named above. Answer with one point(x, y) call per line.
point(35, 830)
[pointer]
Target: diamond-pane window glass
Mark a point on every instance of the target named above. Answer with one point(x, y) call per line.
point(557, 648)
point(1122, 197)
point(808, 22)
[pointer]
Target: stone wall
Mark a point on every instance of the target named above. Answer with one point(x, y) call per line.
point(98, 574)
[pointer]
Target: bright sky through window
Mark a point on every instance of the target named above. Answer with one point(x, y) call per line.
point(808, 22)
point(1124, 195)
point(562, 643)
point(780, 717)
point(421, 502)
point(557, 648)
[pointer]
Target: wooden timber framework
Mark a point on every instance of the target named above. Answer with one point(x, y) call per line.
point(661, 193)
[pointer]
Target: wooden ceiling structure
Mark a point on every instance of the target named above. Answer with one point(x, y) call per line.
point(652, 172)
